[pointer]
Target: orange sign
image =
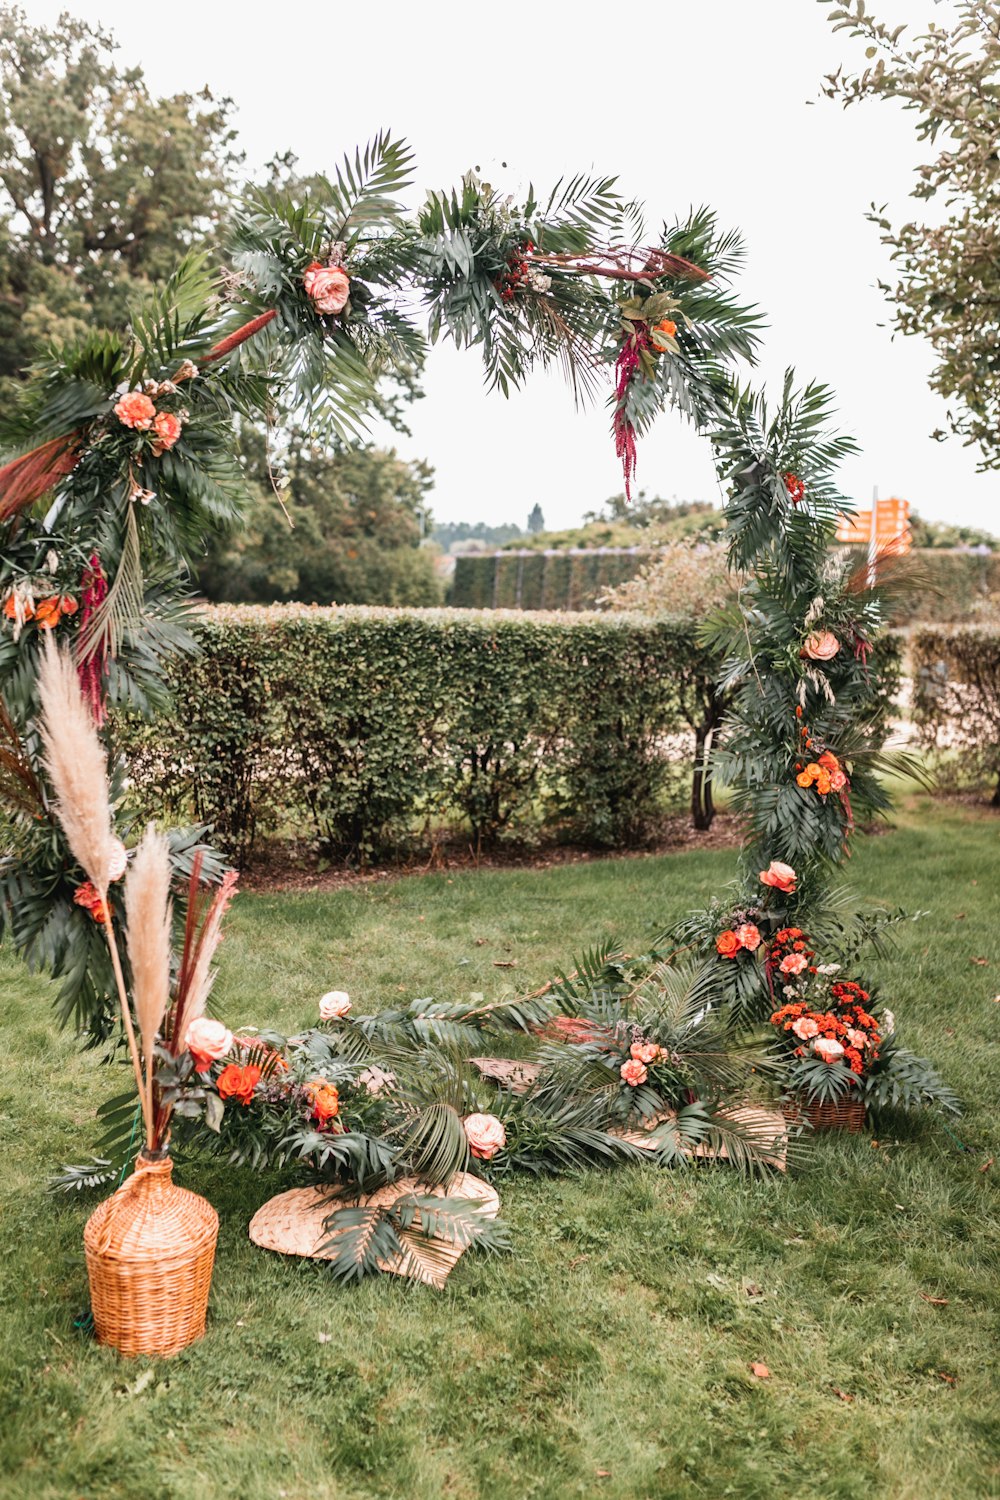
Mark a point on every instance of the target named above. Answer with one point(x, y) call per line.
point(892, 530)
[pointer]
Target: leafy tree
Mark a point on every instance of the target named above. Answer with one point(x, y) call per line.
point(536, 521)
point(102, 185)
point(345, 529)
point(942, 534)
point(642, 512)
point(948, 269)
point(449, 533)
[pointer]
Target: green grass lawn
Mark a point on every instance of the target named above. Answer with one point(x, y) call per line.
point(609, 1355)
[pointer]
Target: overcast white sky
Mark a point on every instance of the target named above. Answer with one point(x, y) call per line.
point(713, 102)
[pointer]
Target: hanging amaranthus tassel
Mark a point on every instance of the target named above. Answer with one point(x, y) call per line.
point(92, 668)
point(626, 365)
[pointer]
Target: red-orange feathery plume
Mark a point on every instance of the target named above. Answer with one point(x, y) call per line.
point(239, 336)
point(24, 479)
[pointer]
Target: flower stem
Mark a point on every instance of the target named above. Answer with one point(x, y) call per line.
point(145, 1087)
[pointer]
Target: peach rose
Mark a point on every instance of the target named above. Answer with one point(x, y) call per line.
point(857, 1038)
point(119, 860)
point(821, 645)
point(838, 781)
point(168, 429)
point(749, 936)
point(633, 1072)
point(328, 286)
point(828, 1049)
point(794, 963)
point(135, 410)
point(486, 1135)
point(334, 1005)
point(728, 944)
point(781, 877)
point(207, 1041)
point(644, 1052)
point(324, 1099)
point(805, 1028)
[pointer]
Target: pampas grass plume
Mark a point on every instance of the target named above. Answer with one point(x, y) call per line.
point(76, 763)
point(147, 907)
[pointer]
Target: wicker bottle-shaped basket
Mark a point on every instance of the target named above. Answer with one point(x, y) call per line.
point(150, 1249)
point(847, 1112)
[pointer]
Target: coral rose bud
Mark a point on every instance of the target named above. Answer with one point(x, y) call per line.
point(328, 286)
point(821, 645)
point(781, 877)
point(207, 1041)
point(828, 1049)
point(633, 1072)
point(805, 1028)
point(486, 1135)
point(334, 1005)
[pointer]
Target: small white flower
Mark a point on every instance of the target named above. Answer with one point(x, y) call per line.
point(827, 968)
point(888, 1023)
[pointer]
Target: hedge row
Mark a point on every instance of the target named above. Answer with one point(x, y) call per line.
point(354, 727)
point(571, 579)
point(947, 587)
point(956, 700)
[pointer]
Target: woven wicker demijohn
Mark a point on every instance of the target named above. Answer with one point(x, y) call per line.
point(150, 1249)
point(844, 1113)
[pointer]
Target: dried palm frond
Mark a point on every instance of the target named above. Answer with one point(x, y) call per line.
point(75, 760)
point(147, 907)
point(623, 263)
point(24, 480)
point(202, 936)
point(20, 788)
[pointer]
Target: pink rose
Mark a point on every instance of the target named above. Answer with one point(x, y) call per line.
point(135, 410)
point(207, 1041)
point(634, 1072)
point(168, 429)
point(328, 286)
point(837, 781)
point(334, 1005)
point(821, 645)
point(644, 1052)
point(485, 1134)
point(805, 1028)
point(749, 936)
point(794, 963)
point(826, 1048)
point(781, 877)
point(856, 1038)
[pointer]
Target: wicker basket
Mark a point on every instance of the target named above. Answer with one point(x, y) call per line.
point(844, 1113)
point(150, 1249)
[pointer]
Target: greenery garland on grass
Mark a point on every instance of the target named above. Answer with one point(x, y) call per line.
point(131, 462)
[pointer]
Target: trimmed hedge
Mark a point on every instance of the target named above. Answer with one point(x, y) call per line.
point(353, 727)
point(956, 700)
point(947, 586)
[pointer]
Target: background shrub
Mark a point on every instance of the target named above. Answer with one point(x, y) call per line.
point(956, 700)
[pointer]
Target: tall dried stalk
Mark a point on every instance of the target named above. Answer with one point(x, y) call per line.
point(147, 908)
point(77, 766)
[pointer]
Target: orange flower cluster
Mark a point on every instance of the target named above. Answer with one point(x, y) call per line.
point(324, 1100)
point(46, 613)
point(236, 1082)
point(667, 328)
point(87, 896)
point(795, 487)
point(137, 410)
point(844, 1033)
point(736, 940)
point(785, 950)
point(826, 774)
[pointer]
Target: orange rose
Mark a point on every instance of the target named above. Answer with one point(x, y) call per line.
point(821, 645)
point(805, 778)
point(781, 877)
point(728, 944)
point(328, 286)
point(87, 896)
point(135, 410)
point(168, 429)
point(823, 783)
point(324, 1099)
point(238, 1083)
point(47, 612)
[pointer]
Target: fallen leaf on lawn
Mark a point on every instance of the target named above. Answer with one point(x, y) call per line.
point(603, 1473)
point(934, 1301)
point(761, 1371)
point(578, 1261)
point(844, 1395)
point(752, 1289)
point(480, 942)
point(959, 916)
point(987, 1164)
point(146, 1378)
point(996, 999)
point(982, 962)
point(505, 963)
point(948, 1379)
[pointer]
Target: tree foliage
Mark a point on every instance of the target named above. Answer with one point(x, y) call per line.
point(947, 286)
